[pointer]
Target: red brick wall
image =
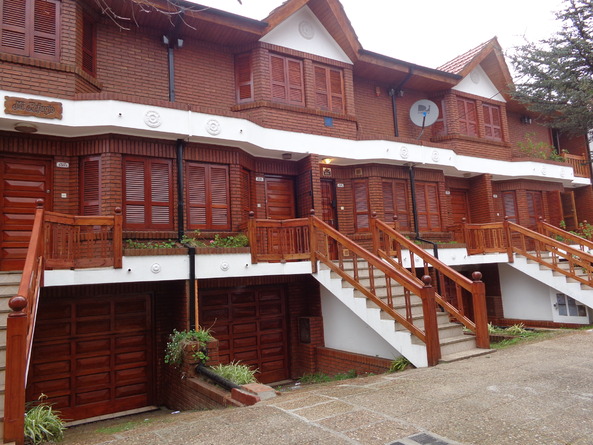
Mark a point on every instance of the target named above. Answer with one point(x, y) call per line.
point(332, 361)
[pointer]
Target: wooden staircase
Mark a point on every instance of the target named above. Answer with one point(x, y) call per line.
point(9, 284)
point(454, 343)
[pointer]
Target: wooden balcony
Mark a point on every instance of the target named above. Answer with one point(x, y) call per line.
point(579, 164)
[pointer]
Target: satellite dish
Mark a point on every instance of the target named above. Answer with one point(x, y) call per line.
point(424, 113)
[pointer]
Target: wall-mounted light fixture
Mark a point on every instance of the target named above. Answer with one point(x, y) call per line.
point(25, 127)
point(286, 156)
point(327, 160)
point(526, 120)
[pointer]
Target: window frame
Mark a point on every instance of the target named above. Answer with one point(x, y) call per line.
point(90, 186)
point(393, 191)
point(89, 45)
point(464, 114)
point(148, 193)
point(208, 204)
point(325, 86)
point(360, 212)
point(240, 82)
point(36, 41)
point(285, 83)
point(422, 189)
point(488, 111)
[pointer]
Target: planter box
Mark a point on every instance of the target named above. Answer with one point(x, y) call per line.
point(221, 250)
point(159, 251)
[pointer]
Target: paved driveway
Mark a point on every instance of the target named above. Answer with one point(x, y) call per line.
point(534, 393)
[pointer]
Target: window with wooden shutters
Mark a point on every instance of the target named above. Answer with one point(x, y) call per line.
point(287, 80)
point(89, 51)
point(509, 200)
point(208, 196)
point(492, 125)
point(244, 78)
point(427, 205)
point(466, 112)
point(361, 204)
point(329, 89)
point(395, 202)
point(439, 128)
point(148, 197)
point(90, 186)
point(30, 28)
point(535, 207)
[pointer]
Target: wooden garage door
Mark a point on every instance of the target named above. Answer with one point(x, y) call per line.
point(250, 325)
point(22, 183)
point(93, 356)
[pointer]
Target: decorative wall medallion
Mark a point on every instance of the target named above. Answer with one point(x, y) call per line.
point(435, 156)
point(475, 77)
point(152, 119)
point(155, 268)
point(562, 173)
point(544, 171)
point(224, 266)
point(403, 152)
point(306, 30)
point(213, 127)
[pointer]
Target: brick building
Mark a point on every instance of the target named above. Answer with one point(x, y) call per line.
point(190, 121)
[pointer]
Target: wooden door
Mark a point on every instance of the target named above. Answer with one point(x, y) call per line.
point(459, 211)
point(22, 183)
point(509, 200)
point(329, 212)
point(93, 356)
point(250, 326)
point(280, 202)
point(535, 208)
point(569, 211)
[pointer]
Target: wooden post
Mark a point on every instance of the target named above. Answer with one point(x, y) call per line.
point(375, 233)
point(480, 311)
point(251, 233)
point(464, 232)
point(313, 241)
point(117, 238)
point(507, 230)
point(16, 369)
point(431, 329)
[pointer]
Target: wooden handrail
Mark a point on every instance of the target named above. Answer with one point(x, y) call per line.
point(554, 232)
point(388, 245)
point(19, 333)
point(424, 290)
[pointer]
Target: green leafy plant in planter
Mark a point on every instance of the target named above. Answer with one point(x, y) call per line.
point(179, 339)
point(195, 239)
point(399, 364)
point(43, 424)
point(236, 372)
point(133, 244)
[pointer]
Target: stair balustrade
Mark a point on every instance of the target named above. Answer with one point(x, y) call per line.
point(393, 247)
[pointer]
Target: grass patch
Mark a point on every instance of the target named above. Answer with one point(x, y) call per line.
point(320, 377)
point(399, 364)
point(527, 336)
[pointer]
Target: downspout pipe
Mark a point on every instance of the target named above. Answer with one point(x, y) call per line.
point(435, 248)
point(394, 92)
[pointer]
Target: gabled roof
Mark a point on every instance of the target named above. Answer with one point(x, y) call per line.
point(332, 16)
point(489, 56)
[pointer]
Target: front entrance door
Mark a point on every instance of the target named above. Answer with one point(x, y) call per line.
point(22, 183)
point(329, 212)
point(93, 356)
point(250, 325)
point(569, 211)
point(459, 211)
point(279, 198)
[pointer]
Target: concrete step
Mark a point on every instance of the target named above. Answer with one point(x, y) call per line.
point(10, 278)
point(454, 345)
point(465, 355)
point(3, 356)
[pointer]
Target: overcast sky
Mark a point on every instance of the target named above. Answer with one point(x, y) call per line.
point(430, 32)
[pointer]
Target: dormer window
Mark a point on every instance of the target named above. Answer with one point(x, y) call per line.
point(30, 28)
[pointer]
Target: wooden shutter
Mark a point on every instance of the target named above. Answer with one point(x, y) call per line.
point(286, 80)
point(361, 204)
point(148, 194)
point(466, 110)
point(88, 46)
point(395, 202)
point(14, 26)
point(208, 196)
point(428, 209)
point(329, 89)
point(492, 126)
point(244, 77)
point(90, 186)
point(45, 29)
point(509, 200)
point(134, 204)
point(439, 128)
point(219, 193)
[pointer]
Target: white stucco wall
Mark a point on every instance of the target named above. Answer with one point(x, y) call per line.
point(343, 330)
point(522, 296)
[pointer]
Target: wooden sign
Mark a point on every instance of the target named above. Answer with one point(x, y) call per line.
point(32, 107)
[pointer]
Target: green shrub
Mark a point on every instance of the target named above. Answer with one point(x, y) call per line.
point(43, 423)
point(236, 372)
point(133, 244)
point(178, 340)
point(195, 239)
point(399, 364)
